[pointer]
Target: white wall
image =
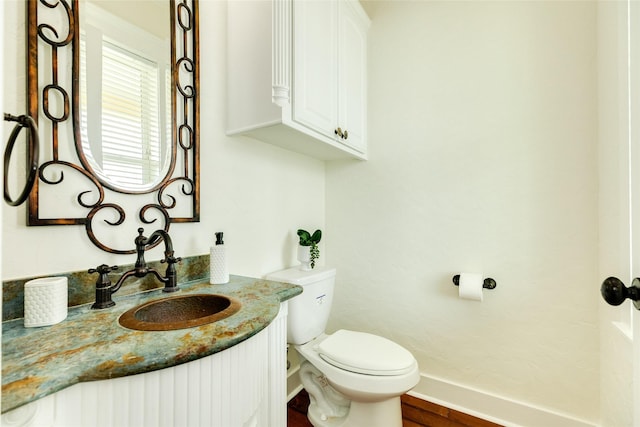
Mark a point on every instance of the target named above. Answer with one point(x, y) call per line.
point(257, 194)
point(482, 124)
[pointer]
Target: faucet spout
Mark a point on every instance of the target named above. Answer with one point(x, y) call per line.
point(161, 234)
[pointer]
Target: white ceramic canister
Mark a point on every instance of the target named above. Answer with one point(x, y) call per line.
point(45, 301)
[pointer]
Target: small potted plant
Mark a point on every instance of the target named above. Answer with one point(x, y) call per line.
point(308, 251)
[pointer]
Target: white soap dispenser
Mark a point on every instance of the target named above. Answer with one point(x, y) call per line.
point(218, 273)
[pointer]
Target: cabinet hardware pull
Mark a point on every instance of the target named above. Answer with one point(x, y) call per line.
point(338, 132)
point(346, 134)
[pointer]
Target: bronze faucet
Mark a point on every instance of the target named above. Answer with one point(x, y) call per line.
point(170, 279)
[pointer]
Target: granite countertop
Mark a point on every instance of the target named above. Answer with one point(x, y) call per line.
point(91, 345)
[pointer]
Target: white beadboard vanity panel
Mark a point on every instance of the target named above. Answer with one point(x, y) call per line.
point(244, 386)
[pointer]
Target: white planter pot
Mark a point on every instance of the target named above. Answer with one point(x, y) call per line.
point(304, 256)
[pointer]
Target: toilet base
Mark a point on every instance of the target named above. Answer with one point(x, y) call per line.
point(330, 408)
point(387, 413)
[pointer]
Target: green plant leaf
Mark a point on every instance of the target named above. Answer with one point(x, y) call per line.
point(305, 237)
point(315, 254)
point(317, 235)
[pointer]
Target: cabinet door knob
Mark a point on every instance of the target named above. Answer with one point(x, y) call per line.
point(339, 132)
point(346, 134)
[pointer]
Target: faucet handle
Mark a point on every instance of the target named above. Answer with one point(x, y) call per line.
point(170, 260)
point(103, 269)
point(103, 286)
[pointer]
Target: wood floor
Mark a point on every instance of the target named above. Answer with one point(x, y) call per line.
point(415, 413)
point(297, 411)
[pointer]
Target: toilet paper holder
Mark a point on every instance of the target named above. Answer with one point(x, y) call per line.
point(488, 283)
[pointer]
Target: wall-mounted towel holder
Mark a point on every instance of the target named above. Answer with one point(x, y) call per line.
point(489, 283)
point(23, 121)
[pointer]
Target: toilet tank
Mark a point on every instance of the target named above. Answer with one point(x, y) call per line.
point(309, 311)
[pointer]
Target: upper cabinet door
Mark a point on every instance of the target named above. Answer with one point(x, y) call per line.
point(352, 74)
point(315, 55)
point(296, 75)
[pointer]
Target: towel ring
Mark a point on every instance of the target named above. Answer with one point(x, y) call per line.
point(34, 146)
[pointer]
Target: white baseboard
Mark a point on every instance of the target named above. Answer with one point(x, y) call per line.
point(490, 407)
point(497, 409)
point(294, 392)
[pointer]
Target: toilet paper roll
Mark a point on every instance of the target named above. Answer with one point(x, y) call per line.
point(45, 301)
point(470, 286)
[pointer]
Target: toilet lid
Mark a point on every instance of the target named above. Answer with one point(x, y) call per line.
point(365, 353)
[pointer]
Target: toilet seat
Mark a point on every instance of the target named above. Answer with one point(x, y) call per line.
point(365, 353)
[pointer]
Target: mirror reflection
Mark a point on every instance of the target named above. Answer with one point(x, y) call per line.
point(125, 91)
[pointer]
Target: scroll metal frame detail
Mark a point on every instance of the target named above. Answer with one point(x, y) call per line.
point(185, 106)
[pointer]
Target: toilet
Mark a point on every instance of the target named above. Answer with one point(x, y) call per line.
point(354, 379)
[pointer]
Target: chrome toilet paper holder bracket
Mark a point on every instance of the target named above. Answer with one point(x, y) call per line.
point(488, 283)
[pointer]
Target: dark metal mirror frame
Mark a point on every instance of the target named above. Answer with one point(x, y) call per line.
point(185, 119)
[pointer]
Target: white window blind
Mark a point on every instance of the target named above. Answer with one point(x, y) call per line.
point(84, 131)
point(130, 117)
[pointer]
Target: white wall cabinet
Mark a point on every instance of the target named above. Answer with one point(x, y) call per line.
point(297, 75)
point(243, 386)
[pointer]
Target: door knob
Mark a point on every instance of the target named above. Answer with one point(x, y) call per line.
point(615, 292)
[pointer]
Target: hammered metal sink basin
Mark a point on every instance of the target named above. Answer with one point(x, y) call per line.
point(179, 312)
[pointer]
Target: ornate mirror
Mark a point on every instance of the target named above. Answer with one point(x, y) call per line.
point(113, 87)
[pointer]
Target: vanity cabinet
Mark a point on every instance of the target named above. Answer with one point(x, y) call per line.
point(297, 75)
point(243, 386)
